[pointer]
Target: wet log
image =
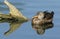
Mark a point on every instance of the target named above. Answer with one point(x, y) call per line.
point(6, 16)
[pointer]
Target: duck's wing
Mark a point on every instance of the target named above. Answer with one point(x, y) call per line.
point(13, 27)
point(14, 11)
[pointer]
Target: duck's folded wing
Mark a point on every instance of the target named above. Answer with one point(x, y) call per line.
point(13, 27)
point(14, 11)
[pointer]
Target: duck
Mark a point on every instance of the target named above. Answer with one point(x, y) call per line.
point(42, 17)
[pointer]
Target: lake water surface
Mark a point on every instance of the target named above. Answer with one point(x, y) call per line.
point(29, 9)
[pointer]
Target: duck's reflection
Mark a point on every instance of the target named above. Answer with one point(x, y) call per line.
point(40, 29)
point(14, 24)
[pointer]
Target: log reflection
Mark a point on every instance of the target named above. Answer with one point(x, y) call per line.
point(14, 24)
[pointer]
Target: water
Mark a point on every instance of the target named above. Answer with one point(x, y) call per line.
point(29, 9)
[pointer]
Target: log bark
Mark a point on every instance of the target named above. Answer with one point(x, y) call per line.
point(6, 16)
point(9, 18)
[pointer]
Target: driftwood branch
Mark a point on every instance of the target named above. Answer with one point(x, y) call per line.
point(15, 18)
point(9, 18)
point(5, 16)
